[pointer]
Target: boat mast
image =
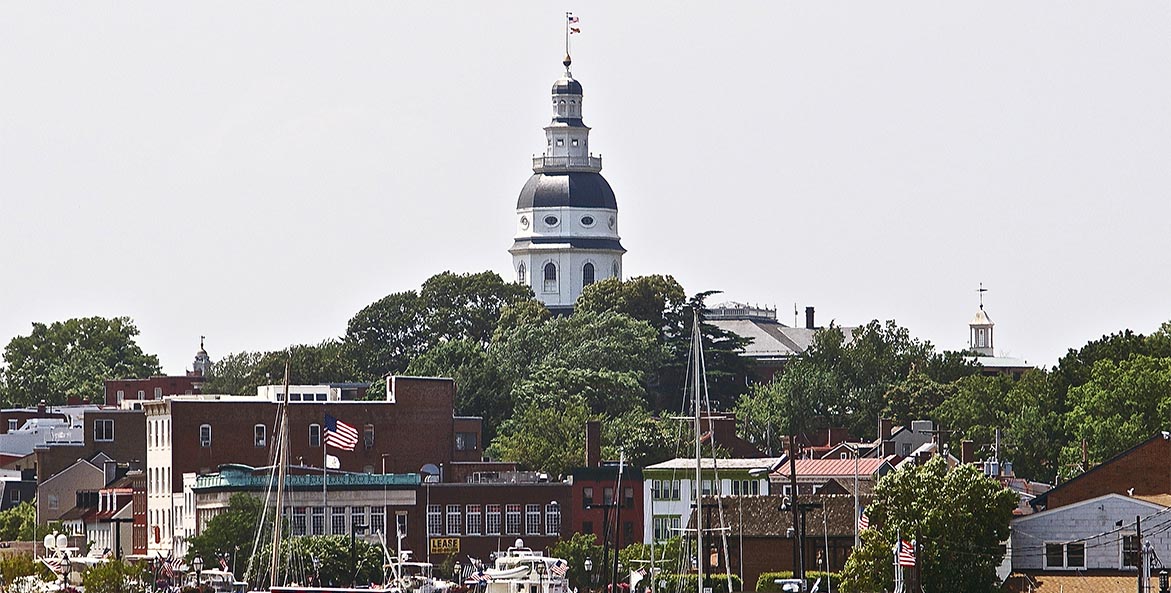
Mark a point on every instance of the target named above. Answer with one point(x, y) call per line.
point(697, 356)
point(282, 459)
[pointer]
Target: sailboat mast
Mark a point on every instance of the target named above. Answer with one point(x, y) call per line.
point(697, 356)
point(282, 459)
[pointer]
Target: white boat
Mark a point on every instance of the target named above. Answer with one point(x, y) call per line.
point(521, 570)
point(404, 576)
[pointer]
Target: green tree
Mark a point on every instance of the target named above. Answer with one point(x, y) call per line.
point(959, 516)
point(116, 576)
point(15, 566)
point(1122, 404)
point(804, 395)
point(385, 335)
point(309, 364)
point(575, 551)
point(72, 359)
point(544, 434)
point(232, 531)
point(643, 438)
point(234, 374)
point(18, 523)
point(914, 398)
point(657, 300)
point(480, 390)
point(668, 556)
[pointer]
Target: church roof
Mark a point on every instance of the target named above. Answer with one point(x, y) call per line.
point(572, 190)
point(566, 86)
point(981, 318)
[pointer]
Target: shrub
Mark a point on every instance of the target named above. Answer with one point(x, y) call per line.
point(766, 583)
point(717, 582)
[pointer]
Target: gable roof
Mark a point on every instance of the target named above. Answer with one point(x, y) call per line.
point(1153, 506)
point(1042, 500)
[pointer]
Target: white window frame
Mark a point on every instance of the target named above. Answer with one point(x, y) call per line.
point(454, 520)
point(314, 436)
point(204, 442)
point(260, 435)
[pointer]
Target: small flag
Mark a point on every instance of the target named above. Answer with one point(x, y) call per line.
point(559, 569)
point(636, 577)
point(573, 30)
point(906, 553)
point(332, 462)
point(572, 19)
point(223, 564)
point(863, 521)
point(340, 435)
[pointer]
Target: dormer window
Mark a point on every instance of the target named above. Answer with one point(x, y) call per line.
point(560, 142)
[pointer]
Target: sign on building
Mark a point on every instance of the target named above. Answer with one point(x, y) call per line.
point(445, 545)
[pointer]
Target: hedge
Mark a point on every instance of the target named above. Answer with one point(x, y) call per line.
point(717, 582)
point(766, 584)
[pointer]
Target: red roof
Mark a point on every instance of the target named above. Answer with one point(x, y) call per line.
point(833, 468)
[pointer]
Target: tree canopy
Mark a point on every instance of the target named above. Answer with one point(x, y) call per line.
point(959, 516)
point(72, 358)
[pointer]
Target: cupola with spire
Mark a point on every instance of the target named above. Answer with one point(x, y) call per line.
point(980, 330)
point(566, 216)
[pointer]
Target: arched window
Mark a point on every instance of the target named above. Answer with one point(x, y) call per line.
point(614, 269)
point(550, 277)
point(587, 275)
point(522, 275)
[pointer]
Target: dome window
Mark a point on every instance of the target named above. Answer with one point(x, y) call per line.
point(587, 221)
point(550, 277)
point(524, 222)
point(551, 221)
point(587, 275)
point(611, 222)
point(522, 274)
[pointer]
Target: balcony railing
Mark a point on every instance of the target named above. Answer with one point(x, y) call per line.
point(567, 163)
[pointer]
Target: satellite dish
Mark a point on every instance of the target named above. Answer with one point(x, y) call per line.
point(62, 541)
point(50, 542)
point(429, 469)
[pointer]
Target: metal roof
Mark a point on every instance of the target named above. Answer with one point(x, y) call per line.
point(572, 190)
point(708, 463)
point(838, 468)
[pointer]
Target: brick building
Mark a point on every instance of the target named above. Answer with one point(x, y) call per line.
point(1141, 471)
point(118, 434)
point(596, 496)
point(415, 426)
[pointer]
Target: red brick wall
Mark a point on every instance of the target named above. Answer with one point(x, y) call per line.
point(415, 430)
point(170, 385)
point(633, 514)
point(1146, 468)
point(129, 443)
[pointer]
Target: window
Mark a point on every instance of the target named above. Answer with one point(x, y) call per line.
point(628, 498)
point(551, 220)
point(368, 435)
point(466, 441)
point(574, 142)
point(587, 497)
point(522, 276)
point(656, 489)
point(258, 434)
point(337, 520)
point(607, 496)
point(378, 520)
point(103, 430)
point(53, 502)
point(298, 520)
point(141, 394)
point(318, 520)
point(587, 221)
point(587, 274)
point(434, 519)
point(533, 519)
point(512, 519)
point(1130, 551)
point(400, 521)
point(1071, 555)
point(560, 142)
point(707, 487)
point(314, 435)
point(587, 527)
point(205, 435)
point(158, 393)
point(906, 449)
point(121, 395)
point(665, 526)
point(12, 424)
point(755, 487)
point(553, 519)
point(358, 517)
point(550, 277)
point(492, 519)
point(454, 522)
point(474, 519)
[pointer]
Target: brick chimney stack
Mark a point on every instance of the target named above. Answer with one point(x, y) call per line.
point(809, 318)
point(967, 451)
point(593, 443)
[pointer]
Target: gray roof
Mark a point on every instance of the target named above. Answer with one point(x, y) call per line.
point(707, 463)
point(771, 339)
point(573, 190)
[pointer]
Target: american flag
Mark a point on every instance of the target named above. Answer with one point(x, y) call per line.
point(572, 19)
point(479, 578)
point(53, 563)
point(223, 564)
point(167, 567)
point(863, 521)
point(906, 553)
point(340, 435)
point(559, 569)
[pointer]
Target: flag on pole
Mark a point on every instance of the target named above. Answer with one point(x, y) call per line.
point(332, 462)
point(572, 19)
point(559, 569)
point(906, 553)
point(340, 435)
point(863, 521)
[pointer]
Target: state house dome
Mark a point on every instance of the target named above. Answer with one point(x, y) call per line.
point(571, 190)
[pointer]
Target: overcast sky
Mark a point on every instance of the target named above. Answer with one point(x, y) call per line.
point(258, 172)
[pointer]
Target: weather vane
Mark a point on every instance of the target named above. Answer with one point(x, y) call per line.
point(981, 290)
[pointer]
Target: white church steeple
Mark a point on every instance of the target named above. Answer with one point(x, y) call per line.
point(566, 215)
point(980, 330)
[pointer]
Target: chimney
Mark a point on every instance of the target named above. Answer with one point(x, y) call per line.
point(110, 469)
point(885, 425)
point(593, 443)
point(809, 318)
point(967, 451)
point(41, 407)
point(888, 448)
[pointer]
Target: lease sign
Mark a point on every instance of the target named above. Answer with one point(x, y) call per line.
point(445, 545)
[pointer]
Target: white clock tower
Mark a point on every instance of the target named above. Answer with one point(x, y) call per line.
point(566, 216)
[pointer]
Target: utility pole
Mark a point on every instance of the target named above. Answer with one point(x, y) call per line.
point(798, 554)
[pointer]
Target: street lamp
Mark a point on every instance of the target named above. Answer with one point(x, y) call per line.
point(197, 564)
point(589, 570)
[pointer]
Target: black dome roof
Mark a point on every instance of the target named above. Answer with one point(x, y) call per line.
point(573, 190)
point(566, 86)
